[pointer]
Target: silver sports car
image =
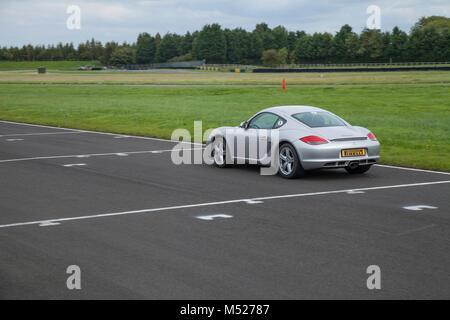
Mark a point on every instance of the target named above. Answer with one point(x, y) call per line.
point(297, 138)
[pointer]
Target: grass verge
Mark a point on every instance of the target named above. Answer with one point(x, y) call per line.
point(195, 77)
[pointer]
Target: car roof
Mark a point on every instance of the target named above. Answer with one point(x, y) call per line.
point(292, 109)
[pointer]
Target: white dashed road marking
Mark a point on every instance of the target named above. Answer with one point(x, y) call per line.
point(48, 224)
point(95, 132)
point(37, 134)
point(419, 207)
point(10, 140)
point(411, 169)
point(253, 202)
point(94, 155)
point(74, 165)
point(213, 216)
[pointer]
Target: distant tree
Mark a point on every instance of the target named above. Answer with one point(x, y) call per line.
point(283, 53)
point(110, 47)
point(96, 49)
point(210, 44)
point(266, 35)
point(271, 58)
point(352, 44)
point(429, 39)
point(291, 38)
point(371, 45)
point(185, 57)
point(321, 46)
point(280, 37)
point(256, 47)
point(338, 50)
point(422, 40)
point(121, 56)
point(4, 54)
point(145, 48)
point(398, 45)
point(43, 54)
point(303, 49)
point(186, 44)
point(15, 53)
point(438, 23)
point(157, 39)
point(238, 45)
point(292, 58)
point(69, 52)
point(58, 53)
point(167, 48)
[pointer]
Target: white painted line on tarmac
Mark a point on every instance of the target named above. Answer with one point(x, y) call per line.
point(419, 207)
point(103, 215)
point(11, 140)
point(121, 154)
point(48, 224)
point(95, 155)
point(214, 216)
point(36, 134)
point(97, 132)
point(253, 201)
point(74, 165)
point(411, 169)
point(36, 125)
point(354, 192)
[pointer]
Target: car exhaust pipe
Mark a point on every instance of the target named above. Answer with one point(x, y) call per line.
point(353, 165)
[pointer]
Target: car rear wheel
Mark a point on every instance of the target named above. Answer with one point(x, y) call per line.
point(358, 169)
point(289, 162)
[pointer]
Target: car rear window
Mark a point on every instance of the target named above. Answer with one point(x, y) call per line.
point(318, 119)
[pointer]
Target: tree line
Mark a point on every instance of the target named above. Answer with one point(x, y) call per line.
point(428, 40)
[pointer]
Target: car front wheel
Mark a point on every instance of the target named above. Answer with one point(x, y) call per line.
point(219, 153)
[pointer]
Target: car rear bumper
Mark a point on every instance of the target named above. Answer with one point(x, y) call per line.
point(329, 155)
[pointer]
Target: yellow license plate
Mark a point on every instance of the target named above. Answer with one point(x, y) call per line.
point(353, 152)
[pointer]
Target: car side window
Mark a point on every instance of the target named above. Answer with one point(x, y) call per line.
point(264, 120)
point(280, 121)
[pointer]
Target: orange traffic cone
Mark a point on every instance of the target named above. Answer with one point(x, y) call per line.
point(284, 84)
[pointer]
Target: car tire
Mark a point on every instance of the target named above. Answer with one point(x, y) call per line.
point(358, 170)
point(289, 166)
point(220, 161)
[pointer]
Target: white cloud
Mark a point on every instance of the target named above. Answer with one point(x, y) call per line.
point(27, 21)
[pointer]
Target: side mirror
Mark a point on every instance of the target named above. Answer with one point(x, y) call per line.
point(244, 125)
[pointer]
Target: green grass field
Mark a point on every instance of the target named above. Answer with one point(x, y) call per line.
point(61, 65)
point(411, 122)
point(191, 77)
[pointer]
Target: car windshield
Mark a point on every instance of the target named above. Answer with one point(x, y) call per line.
point(318, 119)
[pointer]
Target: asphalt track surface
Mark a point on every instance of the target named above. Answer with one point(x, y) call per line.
point(118, 207)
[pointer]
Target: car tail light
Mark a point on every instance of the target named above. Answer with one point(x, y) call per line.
point(371, 136)
point(314, 140)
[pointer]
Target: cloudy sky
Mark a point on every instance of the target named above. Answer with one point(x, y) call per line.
point(44, 22)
